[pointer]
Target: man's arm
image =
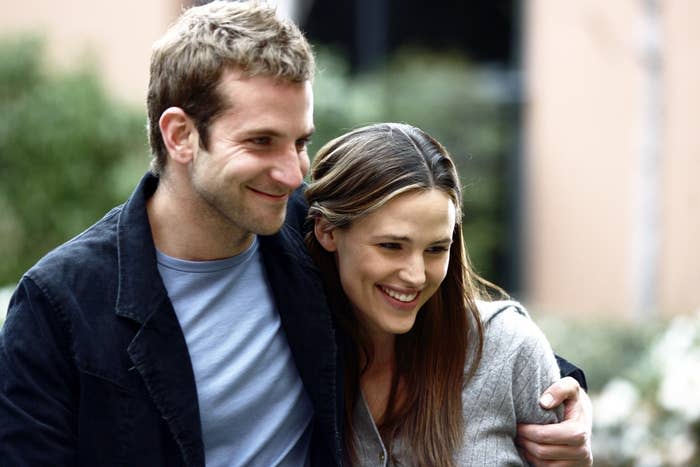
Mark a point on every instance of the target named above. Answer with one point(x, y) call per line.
point(567, 368)
point(37, 403)
point(565, 444)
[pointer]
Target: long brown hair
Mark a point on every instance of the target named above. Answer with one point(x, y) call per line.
point(352, 176)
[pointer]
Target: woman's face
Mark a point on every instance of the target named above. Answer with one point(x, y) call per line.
point(393, 260)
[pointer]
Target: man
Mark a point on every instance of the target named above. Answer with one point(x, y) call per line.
point(188, 324)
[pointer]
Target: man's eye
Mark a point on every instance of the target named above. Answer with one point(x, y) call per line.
point(302, 144)
point(390, 246)
point(261, 141)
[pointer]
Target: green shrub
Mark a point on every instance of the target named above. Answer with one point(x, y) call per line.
point(63, 144)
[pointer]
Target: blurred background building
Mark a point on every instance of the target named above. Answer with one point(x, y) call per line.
point(604, 213)
point(613, 155)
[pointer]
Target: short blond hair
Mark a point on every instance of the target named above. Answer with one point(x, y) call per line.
point(188, 61)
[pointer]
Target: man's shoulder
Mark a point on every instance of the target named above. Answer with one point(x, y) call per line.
point(84, 255)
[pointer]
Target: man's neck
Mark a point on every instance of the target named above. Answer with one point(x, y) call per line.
point(184, 229)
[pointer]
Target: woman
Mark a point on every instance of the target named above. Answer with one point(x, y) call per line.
point(433, 374)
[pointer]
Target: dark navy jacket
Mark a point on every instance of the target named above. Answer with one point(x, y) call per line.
point(94, 369)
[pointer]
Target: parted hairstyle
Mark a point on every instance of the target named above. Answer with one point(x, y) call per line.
point(351, 177)
point(188, 61)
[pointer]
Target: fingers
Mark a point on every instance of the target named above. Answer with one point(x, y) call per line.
point(565, 389)
point(558, 463)
point(554, 452)
point(588, 462)
point(566, 433)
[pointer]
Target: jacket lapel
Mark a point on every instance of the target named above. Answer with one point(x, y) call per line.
point(158, 351)
point(160, 355)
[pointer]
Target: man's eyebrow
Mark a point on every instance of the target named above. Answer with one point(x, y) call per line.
point(261, 132)
point(274, 133)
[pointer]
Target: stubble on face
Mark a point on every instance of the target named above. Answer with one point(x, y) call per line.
point(254, 159)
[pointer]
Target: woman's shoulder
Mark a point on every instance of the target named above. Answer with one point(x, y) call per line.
point(507, 316)
point(489, 309)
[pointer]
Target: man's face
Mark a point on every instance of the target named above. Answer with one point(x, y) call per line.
point(257, 152)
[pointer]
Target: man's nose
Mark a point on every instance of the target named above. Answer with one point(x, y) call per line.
point(290, 168)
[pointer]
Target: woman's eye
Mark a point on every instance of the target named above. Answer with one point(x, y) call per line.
point(437, 249)
point(390, 246)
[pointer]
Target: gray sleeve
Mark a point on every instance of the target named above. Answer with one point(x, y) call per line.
point(516, 367)
point(534, 370)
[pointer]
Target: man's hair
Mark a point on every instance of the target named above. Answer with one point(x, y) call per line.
point(188, 61)
point(353, 176)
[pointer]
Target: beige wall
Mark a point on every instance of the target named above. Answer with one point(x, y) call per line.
point(680, 284)
point(117, 36)
point(591, 115)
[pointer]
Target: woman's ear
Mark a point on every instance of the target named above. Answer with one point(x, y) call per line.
point(179, 134)
point(325, 234)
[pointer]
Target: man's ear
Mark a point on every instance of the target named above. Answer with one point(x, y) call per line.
point(179, 134)
point(325, 234)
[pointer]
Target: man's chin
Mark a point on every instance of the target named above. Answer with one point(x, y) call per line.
point(269, 228)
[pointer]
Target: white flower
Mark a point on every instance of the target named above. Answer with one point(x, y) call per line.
point(679, 390)
point(677, 355)
point(680, 449)
point(680, 336)
point(615, 403)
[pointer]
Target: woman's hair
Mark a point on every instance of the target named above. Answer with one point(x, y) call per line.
point(353, 176)
point(188, 61)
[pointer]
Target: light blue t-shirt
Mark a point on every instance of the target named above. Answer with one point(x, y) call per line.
point(253, 407)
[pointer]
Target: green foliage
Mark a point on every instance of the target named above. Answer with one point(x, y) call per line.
point(62, 144)
point(465, 108)
point(604, 349)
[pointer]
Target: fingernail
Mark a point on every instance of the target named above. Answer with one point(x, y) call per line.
point(546, 400)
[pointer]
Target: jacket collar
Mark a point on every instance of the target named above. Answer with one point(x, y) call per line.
point(158, 351)
point(140, 291)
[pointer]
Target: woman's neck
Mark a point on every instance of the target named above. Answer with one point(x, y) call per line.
point(376, 381)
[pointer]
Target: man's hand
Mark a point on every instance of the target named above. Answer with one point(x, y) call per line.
point(565, 444)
